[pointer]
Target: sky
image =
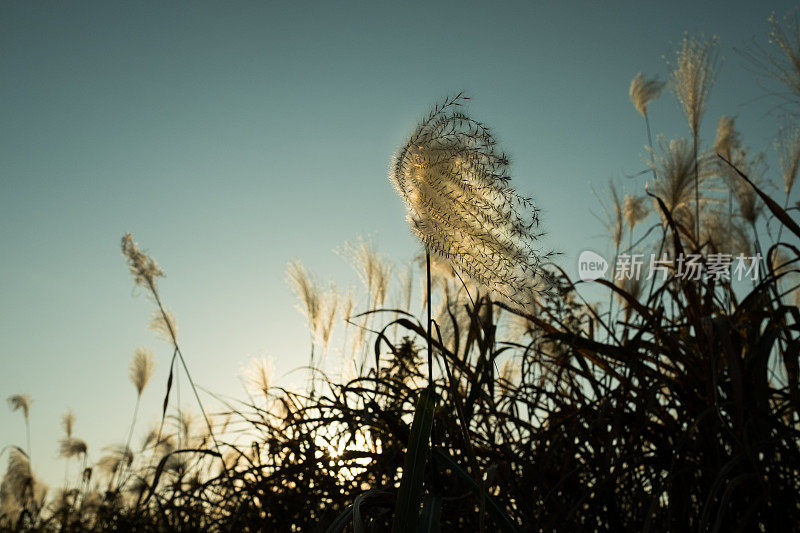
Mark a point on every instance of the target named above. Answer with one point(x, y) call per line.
point(231, 138)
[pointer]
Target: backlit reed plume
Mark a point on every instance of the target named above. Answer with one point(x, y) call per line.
point(613, 218)
point(319, 306)
point(257, 375)
point(68, 422)
point(144, 268)
point(693, 73)
point(634, 210)
point(722, 234)
point(114, 460)
point(70, 447)
point(310, 298)
point(727, 137)
point(19, 490)
point(750, 205)
point(788, 148)
point(22, 402)
point(141, 368)
point(642, 92)
point(164, 325)
point(372, 268)
point(374, 271)
point(330, 309)
point(675, 163)
point(462, 207)
point(140, 371)
point(692, 77)
point(785, 65)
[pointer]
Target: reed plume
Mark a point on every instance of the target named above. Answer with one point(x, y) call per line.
point(675, 162)
point(141, 368)
point(372, 268)
point(788, 148)
point(634, 210)
point(164, 325)
point(22, 402)
point(643, 91)
point(68, 422)
point(462, 207)
point(257, 375)
point(692, 77)
point(727, 137)
point(144, 268)
point(307, 292)
point(70, 447)
point(785, 65)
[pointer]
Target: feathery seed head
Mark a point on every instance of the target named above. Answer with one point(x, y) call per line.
point(693, 75)
point(462, 207)
point(634, 210)
point(307, 291)
point(674, 162)
point(727, 137)
point(257, 375)
point(788, 148)
point(164, 325)
point(21, 402)
point(71, 447)
point(143, 267)
point(643, 91)
point(141, 369)
point(68, 422)
point(785, 36)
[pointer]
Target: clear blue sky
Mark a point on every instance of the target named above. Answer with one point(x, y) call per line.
point(232, 137)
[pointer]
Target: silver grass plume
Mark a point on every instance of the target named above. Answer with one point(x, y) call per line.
point(68, 422)
point(788, 148)
point(372, 268)
point(750, 205)
point(307, 291)
point(141, 368)
point(727, 137)
point(164, 325)
point(693, 75)
point(613, 220)
point(634, 210)
point(724, 235)
point(144, 268)
point(21, 402)
point(462, 207)
point(257, 375)
point(71, 447)
point(19, 488)
point(674, 162)
point(643, 91)
point(329, 311)
point(785, 36)
point(117, 457)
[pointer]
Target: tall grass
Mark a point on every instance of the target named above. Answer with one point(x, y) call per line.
point(676, 410)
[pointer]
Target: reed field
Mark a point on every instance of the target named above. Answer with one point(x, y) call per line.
point(505, 398)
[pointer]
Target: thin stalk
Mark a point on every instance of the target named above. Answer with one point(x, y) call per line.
point(430, 338)
point(650, 144)
point(696, 193)
point(130, 433)
point(188, 374)
point(28, 437)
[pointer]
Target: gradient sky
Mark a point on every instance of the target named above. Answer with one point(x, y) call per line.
point(233, 137)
